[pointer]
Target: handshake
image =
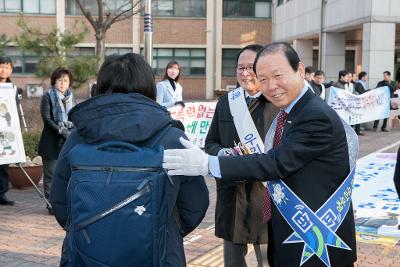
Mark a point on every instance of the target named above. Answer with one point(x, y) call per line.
point(64, 128)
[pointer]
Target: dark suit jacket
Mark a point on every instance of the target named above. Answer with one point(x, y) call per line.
point(313, 161)
point(238, 212)
point(51, 141)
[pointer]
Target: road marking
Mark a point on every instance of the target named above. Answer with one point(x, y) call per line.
point(214, 257)
point(384, 148)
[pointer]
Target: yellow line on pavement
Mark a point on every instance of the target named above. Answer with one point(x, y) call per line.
point(213, 258)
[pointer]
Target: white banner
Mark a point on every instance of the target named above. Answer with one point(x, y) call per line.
point(355, 109)
point(11, 144)
point(375, 200)
point(196, 117)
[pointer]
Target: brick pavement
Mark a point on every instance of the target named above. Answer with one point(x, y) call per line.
point(31, 237)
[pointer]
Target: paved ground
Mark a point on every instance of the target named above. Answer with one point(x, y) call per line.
point(31, 237)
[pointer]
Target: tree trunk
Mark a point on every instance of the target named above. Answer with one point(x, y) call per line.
point(100, 47)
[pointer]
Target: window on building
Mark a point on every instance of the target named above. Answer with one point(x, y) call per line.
point(350, 60)
point(280, 2)
point(229, 62)
point(191, 60)
point(179, 8)
point(82, 51)
point(28, 6)
point(22, 62)
point(72, 7)
point(247, 8)
point(117, 51)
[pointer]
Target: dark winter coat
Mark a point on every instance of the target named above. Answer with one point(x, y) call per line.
point(238, 212)
point(133, 118)
point(51, 141)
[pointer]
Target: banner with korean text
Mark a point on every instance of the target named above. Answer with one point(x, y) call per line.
point(375, 201)
point(355, 109)
point(196, 117)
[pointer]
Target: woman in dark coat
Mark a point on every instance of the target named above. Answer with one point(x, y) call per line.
point(54, 107)
point(125, 110)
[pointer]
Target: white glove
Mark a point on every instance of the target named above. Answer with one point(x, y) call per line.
point(224, 152)
point(191, 161)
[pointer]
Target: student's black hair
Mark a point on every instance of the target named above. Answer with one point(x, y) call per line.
point(283, 48)
point(170, 65)
point(319, 73)
point(361, 75)
point(58, 73)
point(6, 60)
point(387, 72)
point(309, 69)
point(127, 73)
point(342, 73)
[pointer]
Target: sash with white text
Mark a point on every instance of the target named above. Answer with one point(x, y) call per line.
point(244, 123)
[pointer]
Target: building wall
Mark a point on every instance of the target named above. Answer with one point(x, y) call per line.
point(297, 18)
point(301, 18)
point(178, 31)
point(243, 32)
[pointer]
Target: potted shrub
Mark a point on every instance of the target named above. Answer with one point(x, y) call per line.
point(33, 165)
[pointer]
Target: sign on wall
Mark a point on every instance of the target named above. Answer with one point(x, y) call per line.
point(355, 109)
point(196, 117)
point(11, 144)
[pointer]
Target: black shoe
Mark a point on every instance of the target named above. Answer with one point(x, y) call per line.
point(385, 130)
point(360, 133)
point(5, 201)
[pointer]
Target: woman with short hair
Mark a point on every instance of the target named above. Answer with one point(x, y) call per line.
point(54, 107)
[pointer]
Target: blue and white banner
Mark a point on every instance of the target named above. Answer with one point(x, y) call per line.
point(355, 109)
point(375, 201)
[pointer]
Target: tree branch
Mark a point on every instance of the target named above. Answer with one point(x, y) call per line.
point(88, 15)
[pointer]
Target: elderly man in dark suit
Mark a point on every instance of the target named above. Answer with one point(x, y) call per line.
point(238, 212)
point(311, 156)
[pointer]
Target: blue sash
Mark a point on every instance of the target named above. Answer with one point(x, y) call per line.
point(315, 229)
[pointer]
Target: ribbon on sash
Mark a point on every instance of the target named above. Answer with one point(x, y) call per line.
point(243, 121)
point(316, 229)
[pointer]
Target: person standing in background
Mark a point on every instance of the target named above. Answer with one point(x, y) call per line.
point(54, 108)
point(387, 81)
point(310, 73)
point(169, 91)
point(6, 69)
point(318, 84)
point(238, 212)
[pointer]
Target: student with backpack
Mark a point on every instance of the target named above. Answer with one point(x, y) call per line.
point(110, 193)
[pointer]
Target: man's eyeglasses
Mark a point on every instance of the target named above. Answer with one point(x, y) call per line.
point(242, 69)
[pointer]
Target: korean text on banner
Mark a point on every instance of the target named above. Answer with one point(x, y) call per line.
point(196, 117)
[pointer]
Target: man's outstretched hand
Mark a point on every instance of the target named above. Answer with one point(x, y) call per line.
point(191, 161)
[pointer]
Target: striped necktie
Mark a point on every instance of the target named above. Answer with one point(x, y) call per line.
point(280, 124)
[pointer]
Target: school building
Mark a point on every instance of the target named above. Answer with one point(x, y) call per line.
point(204, 36)
point(333, 35)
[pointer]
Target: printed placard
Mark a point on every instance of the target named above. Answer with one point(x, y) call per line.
point(11, 144)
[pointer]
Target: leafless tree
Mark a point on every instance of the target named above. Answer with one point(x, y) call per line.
point(109, 12)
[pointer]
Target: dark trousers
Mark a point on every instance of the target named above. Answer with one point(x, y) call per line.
point(235, 254)
point(357, 128)
point(376, 123)
point(4, 179)
point(48, 170)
